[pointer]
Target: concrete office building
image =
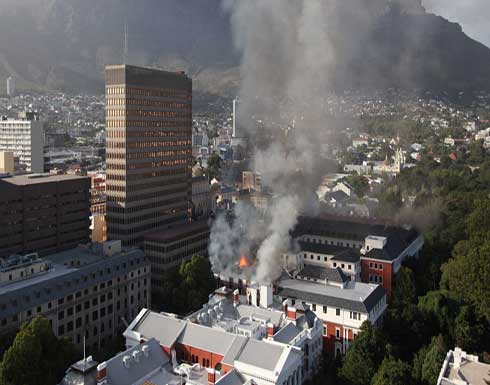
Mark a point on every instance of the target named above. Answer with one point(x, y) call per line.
point(43, 213)
point(25, 138)
point(149, 150)
point(88, 290)
point(167, 249)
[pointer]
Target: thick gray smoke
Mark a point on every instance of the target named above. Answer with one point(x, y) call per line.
point(287, 67)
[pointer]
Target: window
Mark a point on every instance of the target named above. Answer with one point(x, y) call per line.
point(87, 305)
point(337, 333)
point(61, 315)
point(318, 257)
point(349, 267)
point(61, 330)
point(95, 316)
point(381, 266)
point(380, 279)
point(324, 330)
point(325, 309)
point(78, 308)
point(313, 306)
point(69, 311)
point(69, 326)
point(39, 309)
point(78, 322)
point(337, 312)
point(370, 265)
point(335, 264)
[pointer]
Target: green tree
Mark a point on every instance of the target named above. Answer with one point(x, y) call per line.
point(393, 372)
point(197, 281)
point(469, 332)
point(36, 357)
point(403, 292)
point(214, 164)
point(364, 356)
point(359, 183)
point(185, 289)
point(467, 276)
point(433, 360)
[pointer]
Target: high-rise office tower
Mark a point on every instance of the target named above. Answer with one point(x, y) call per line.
point(149, 150)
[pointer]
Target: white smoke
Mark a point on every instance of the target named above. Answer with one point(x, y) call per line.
point(286, 70)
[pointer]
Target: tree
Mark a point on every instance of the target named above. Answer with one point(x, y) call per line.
point(364, 356)
point(36, 357)
point(467, 275)
point(428, 362)
point(197, 281)
point(393, 372)
point(469, 332)
point(359, 183)
point(185, 289)
point(214, 164)
point(403, 289)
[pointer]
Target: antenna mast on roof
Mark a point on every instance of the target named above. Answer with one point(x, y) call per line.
point(125, 53)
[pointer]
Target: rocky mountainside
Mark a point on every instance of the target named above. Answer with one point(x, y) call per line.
point(65, 44)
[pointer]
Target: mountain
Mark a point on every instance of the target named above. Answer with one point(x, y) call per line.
point(65, 44)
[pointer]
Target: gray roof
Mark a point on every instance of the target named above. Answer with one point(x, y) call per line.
point(62, 280)
point(150, 326)
point(206, 338)
point(261, 354)
point(287, 333)
point(231, 378)
point(356, 296)
point(23, 180)
point(235, 348)
point(118, 374)
point(338, 196)
point(321, 248)
point(349, 255)
point(323, 274)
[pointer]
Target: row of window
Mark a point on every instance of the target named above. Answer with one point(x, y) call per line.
point(375, 266)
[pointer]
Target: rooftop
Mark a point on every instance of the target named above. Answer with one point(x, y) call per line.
point(318, 273)
point(71, 271)
point(178, 232)
point(24, 180)
point(355, 296)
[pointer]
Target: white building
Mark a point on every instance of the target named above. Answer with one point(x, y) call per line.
point(10, 86)
point(460, 368)
point(25, 138)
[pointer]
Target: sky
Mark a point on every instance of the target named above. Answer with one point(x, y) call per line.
point(473, 15)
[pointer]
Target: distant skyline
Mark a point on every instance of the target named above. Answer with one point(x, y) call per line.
point(473, 15)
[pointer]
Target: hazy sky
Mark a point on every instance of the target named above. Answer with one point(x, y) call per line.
point(473, 15)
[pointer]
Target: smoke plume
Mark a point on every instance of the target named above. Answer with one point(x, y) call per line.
point(287, 71)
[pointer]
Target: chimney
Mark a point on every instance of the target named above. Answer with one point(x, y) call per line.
point(291, 313)
point(211, 376)
point(458, 357)
point(101, 373)
point(270, 330)
point(236, 298)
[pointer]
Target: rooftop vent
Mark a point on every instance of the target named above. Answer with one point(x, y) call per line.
point(146, 350)
point(127, 361)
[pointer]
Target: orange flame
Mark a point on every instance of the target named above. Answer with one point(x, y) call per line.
point(243, 262)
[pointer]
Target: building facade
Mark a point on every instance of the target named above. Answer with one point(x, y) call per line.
point(149, 150)
point(84, 291)
point(25, 138)
point(167, 249)
point(43, 213)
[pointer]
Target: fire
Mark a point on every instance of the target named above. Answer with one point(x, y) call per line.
point(243, 262)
